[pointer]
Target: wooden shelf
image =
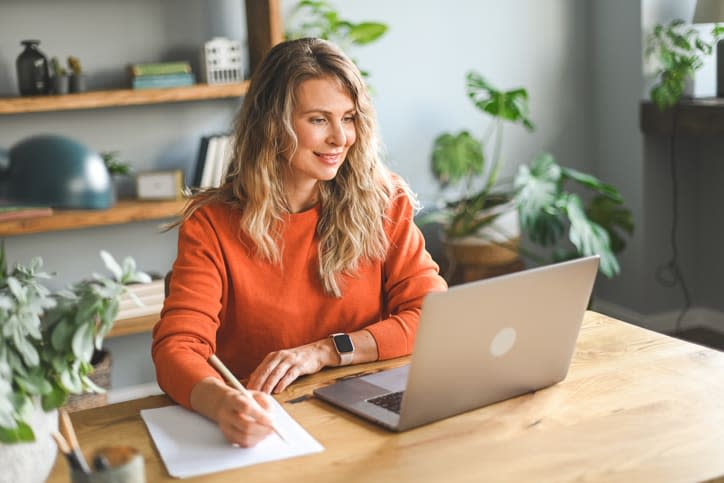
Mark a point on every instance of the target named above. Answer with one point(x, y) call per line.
point(120, 97)
point(695, 117)
point(121, 212)
point(135, 325)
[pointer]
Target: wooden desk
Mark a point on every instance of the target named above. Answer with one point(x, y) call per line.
point(636, 406)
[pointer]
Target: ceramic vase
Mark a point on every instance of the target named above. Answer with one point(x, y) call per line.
point(31, 462)
point(32, 70)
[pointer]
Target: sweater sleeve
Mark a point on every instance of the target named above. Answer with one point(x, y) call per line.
point(409, 274)
point(185, 336)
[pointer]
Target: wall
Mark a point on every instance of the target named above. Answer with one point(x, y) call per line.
point(615, 62)
point(649, 169)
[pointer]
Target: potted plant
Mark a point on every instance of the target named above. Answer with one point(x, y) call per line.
point(77, 78)
point(60, 77)
point(48, 341)
point(536, 203)
point(124, 183)
point(678, 51)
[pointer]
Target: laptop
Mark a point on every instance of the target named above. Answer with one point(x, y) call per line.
point(477, 344)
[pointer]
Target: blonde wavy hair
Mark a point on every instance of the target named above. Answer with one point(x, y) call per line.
point(353, 204)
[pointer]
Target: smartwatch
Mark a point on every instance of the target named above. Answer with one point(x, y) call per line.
point(344, 347)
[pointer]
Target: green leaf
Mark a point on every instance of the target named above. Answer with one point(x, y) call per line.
point(83, 342)
point(70, 380)
point(590, 238)
point(23, 433)
point(614, 218)
point(62, 334)
point(27, 351)
point(536, 198)
point(92, 386)
point(34, 383)
point(55, 398)
point(456, 157)
point(112, 265)
point(366, 32)
point(510, 105)
point(592, 183)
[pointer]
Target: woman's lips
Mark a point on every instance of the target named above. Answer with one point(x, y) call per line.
point(327, 158)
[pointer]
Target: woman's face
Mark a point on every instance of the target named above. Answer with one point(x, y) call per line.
point(324, 122)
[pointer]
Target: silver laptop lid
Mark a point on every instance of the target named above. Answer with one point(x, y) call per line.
point(490, 340)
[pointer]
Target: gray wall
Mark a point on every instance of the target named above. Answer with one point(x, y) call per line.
point(698, 176)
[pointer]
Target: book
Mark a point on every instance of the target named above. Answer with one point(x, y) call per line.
point(13, 212)
point(161, 68)
point(201, 160)
point(208, 172)
point(156, 81)
point(221, 163)
point(213, 160)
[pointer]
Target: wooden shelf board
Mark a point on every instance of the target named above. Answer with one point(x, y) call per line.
point(134, 325)
point(121, 212)
point(697, 117)
point(120, 97)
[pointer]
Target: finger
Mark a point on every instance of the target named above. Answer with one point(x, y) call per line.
point(292, 374)
point(263, 399)
point(261, 373)
point(249, 409)
point(245, 433)
point(252, 438)
point(276, 375)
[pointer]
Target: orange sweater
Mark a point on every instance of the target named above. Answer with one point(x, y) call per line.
point(227, 301)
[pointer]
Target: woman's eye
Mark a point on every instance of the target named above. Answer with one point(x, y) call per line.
point(318, 120)
point(349, 118)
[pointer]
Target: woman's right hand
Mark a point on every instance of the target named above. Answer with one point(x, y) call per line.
point(240, 420)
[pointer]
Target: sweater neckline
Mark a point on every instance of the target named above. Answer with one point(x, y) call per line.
point(311, 213)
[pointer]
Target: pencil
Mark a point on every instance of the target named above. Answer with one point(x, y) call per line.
point(234, 382)
point(75, 455)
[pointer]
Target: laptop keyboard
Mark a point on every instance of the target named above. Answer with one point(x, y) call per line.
point(390, 401)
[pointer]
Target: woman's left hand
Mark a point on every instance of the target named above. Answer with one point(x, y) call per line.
point(281, 368)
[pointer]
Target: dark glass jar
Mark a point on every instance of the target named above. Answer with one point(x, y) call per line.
point(33, 72)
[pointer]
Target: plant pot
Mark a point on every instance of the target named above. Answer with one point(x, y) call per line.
point(101, 376)
point(124, 186)
point(31, 462)
point(60, 84)
point(77, 83)
point(493, 251)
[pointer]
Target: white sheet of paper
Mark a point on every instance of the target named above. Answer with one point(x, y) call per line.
point(191, 445)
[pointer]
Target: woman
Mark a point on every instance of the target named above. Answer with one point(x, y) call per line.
point(309, 236)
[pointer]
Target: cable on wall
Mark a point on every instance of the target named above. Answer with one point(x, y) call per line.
point(669, 274)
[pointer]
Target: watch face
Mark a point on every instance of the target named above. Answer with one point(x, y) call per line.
point(343, 343)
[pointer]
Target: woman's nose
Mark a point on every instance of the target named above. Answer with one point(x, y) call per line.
point(337, 134)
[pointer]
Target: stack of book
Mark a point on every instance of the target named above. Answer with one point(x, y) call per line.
point(161, 74)
point(147, 299)
point(14, 212)
point(215, 152)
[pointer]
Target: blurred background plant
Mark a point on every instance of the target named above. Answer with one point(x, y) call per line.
point(549, 213)
point(58, 69)
point(74, 65)
point(678, 50)
point(318, 18)
point(114, 164)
